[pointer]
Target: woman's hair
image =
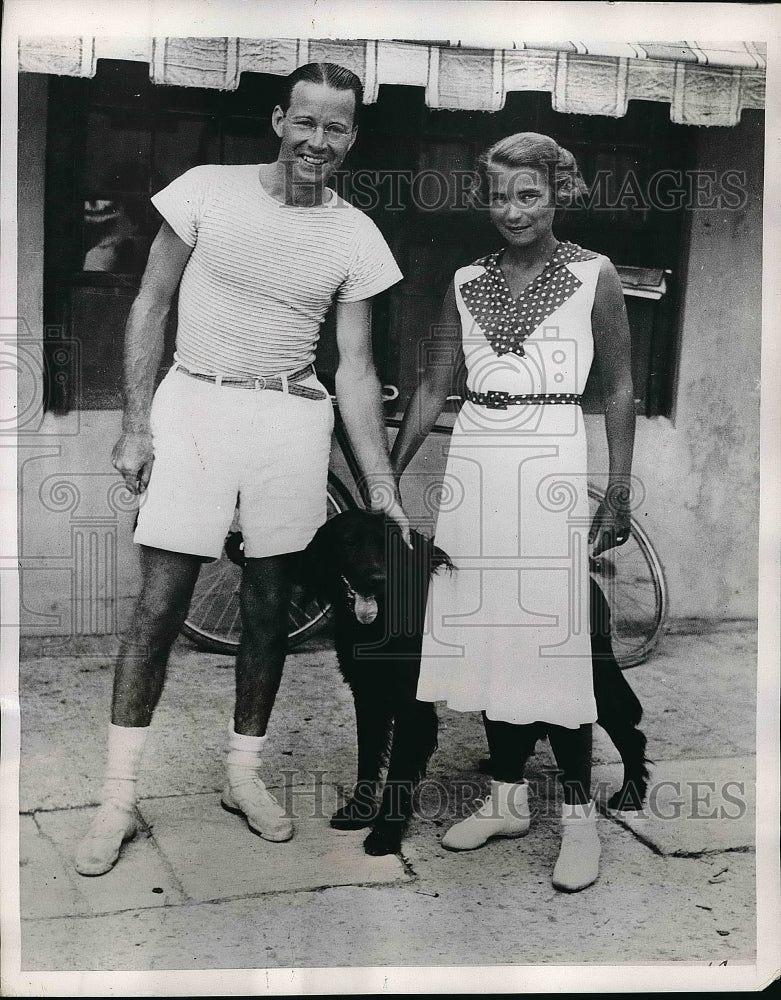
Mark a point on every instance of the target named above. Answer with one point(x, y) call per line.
point(531, 149)
point(330, 74)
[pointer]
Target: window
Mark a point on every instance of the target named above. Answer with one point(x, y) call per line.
point(116, 139)
point(619, 159)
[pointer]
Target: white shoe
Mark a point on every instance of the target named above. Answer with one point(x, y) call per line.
point(504, 813)
point(113, 824)
point(264, 815)
point(578, 863)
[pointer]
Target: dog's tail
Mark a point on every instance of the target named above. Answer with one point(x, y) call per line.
point(615, 692)
point(436, 558)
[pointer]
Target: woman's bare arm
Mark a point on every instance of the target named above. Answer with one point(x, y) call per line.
point(613, 355)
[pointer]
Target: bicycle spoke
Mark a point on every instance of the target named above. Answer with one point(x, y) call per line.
point(297, 614)
point(234, 629)
point(206, 606)
point(224, 612)
point(208, 601)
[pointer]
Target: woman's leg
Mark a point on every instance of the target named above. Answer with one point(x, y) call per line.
point(505, 812)
point(510, 747)
point(572, 750)
point(578, 862)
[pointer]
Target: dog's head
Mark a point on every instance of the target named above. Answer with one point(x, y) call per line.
point(357, 556)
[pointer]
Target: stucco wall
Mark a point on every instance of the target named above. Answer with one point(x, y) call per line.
point(699, 469)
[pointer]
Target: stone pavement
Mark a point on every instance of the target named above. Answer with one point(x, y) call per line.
point(676, 886)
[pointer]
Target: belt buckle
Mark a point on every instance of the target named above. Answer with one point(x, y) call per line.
point(260, 382)
point(496, 399)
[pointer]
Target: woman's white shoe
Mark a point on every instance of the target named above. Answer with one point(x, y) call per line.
point(578, 863)
point(504, 813)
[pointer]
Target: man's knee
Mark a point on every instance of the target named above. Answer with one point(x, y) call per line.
point(263, 611)
point(163, 602)
point(265, 594)
point(155, 624)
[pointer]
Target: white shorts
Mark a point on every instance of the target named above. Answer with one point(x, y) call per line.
point(216, 445)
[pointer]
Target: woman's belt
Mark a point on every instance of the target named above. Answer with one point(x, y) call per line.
point(278, 383)
point(497, 399)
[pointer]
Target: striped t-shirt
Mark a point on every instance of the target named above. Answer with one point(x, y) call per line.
point(262, 275)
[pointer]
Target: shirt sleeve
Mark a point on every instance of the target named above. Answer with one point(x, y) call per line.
point(372, 267)
point(182, 202)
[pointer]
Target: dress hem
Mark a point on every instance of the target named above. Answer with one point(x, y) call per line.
point(499, 716)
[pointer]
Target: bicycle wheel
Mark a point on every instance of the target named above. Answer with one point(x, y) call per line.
point(214, 621)
point(632, 578)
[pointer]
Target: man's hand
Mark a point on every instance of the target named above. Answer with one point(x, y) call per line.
point(132, 457)
point(386, 500)
point(397, 513)
point(609, 528)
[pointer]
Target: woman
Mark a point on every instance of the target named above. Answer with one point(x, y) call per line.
point(508, 633)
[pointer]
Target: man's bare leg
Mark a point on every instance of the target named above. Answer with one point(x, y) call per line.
point(168, 579)
point(265, 598)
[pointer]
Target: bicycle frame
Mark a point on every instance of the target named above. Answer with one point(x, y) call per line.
point(390, 393)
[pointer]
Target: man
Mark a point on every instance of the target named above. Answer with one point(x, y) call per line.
point(258, 253)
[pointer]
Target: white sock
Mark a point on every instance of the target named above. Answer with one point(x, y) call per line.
point(244, 753)
point(125, 746)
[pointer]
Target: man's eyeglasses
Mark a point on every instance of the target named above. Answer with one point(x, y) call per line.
point(333, 133)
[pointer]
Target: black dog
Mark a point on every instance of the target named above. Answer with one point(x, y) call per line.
point(618, 708)
point(378, 589)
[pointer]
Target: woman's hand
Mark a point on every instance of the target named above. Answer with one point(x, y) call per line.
point(609, 528)
point(613, 354)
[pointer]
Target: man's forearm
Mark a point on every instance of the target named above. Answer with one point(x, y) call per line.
point(360, 405)
point(144, 336)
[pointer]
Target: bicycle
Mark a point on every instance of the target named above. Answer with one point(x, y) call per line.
point(631, 576)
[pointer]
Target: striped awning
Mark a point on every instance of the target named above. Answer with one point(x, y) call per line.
point(704, 84)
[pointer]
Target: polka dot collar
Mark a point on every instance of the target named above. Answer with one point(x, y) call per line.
point(506, 322)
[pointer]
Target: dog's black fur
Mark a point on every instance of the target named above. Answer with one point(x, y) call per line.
point(358, 560)
point(618, 708)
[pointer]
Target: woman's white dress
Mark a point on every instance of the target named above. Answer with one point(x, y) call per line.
point(508, 631)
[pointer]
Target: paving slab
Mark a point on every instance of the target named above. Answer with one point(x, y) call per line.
point(694, 806)
point(45, 879)
point(61, 766)
point(143, 879)
point(676, 898)
point(492, 907)
point(216, 857)
point(699, 694)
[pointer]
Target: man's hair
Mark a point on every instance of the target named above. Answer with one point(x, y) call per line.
point(331, 74)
